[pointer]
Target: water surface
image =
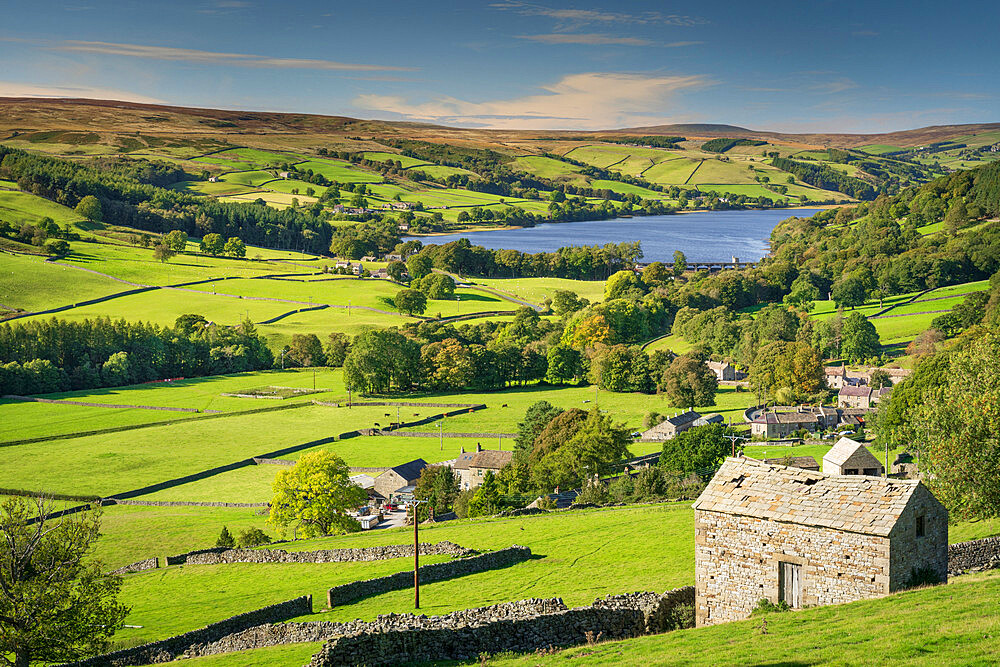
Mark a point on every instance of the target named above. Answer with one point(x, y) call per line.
point(710, 236)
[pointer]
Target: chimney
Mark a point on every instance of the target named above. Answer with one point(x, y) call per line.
point(463, 450)
point(479, 447)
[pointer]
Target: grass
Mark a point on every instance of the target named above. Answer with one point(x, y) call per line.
point(21, 207)
point(536, 290)
point(547, 167)
point(627, 189)
point(952, 624)
point(50, 284)
point(897, 329)
point(250, 178)
point(395, 157)
point(671, 172)
point(22, 420)
point(289, 654)
point(673, 342)
point(340, 171)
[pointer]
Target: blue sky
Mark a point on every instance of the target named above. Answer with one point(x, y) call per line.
point(808, 65)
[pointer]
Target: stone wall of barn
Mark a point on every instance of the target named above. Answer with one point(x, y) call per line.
point(910, 553)
point(737, 561)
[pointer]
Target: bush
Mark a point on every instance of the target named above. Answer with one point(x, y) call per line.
point(680, 617)
point(252, 537)
point(922, 576)
point(765, 606)
point(225, 539)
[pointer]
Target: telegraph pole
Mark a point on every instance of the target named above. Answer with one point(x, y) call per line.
point(416, 555)
point(733, 439)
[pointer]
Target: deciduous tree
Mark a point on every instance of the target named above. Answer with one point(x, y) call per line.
point(315, 495)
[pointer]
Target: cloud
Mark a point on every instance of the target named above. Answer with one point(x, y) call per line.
point(214, 57)
point(15, 89)
point(834, 86)
point(598, 39)
point(570, 18)
point(592, 100)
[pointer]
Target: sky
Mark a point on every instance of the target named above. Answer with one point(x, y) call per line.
point(802, 66)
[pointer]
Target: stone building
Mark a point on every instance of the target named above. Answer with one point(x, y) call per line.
point(782, 424)
point(849, 457)
point(394, 479)
point(485, 461)
point(671, 426)
point(854, 396)
point(722, 370)
point(808, 538)
point(835, 376)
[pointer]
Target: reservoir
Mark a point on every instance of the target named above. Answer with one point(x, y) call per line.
point(709, 236)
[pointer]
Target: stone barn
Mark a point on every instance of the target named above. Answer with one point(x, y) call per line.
point(850, 457)
point(809, 538)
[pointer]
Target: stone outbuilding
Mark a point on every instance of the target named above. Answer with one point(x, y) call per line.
point(808, 538)
point(723, 371)
point(671, 426)
point(850, 457)
point(394, 479)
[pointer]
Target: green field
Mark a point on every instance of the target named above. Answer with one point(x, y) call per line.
point(536, 290)
point(249, 178)
point(671, 172)
point(21, 207)
point(340, 171)
point(51, 284)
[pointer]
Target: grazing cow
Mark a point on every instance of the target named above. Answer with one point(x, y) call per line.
point(504, 405)
point(387, 414)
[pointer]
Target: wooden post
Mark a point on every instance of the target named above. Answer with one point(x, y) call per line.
point(416, 560)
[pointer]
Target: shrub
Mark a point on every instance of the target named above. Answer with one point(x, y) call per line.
point(679, 618)
point(765, 606)
point(252, 537)
point(922, 576)
point(225, 539)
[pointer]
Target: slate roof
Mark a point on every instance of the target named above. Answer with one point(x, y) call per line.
point(746, 487)
point(796, 418)
point(845, 449)
point(852, 390)
point(717, 365)
point(462, 462)
point(410, 471)
point(834, 370)
point(713, 418)
point(493, 459)
point(683, 418)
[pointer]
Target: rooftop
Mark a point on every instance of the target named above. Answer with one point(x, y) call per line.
point(852, 390)
point(490, 458)
point(411, 470)
point(746, 487)
point(845, 449)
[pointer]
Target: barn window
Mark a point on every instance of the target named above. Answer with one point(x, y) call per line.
point(920, 526)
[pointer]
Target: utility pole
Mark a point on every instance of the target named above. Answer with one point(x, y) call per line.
point(733, 439)
point(314, 379)
point(441, 433)
point(416, 555)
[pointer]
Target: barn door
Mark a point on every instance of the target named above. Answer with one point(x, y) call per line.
point(790, 584)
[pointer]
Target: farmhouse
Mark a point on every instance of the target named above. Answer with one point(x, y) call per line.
point(782, 424)
point(670, 427)
point(808, 538)
point(849, 457)
point(485, 461)
point(722, 370)
point(394, 480)
point(461, 466)
point(835, 376)
point(854, 397)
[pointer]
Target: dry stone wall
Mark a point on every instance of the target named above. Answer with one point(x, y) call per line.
point(148, 564)
point(522, 627)
point(444, 548)
point(974, 556)
point(356, 590)
point(174, 647)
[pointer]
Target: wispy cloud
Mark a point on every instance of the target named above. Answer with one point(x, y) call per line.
point(15, 89)
point(599, 39)
point(833, 86)
point(214, 57)
point(569, 19)
point(593, 100)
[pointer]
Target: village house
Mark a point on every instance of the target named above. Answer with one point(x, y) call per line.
point(835, 376)
point(670, 427)
point(803, 462)
point(403, 226)
point(771, 425)
point(879, 395)
point(849, 457)
point(781, 533)
point(381, 273)
point(485, 461)
point(357, 269)
point(394, 481)
point(284, 174)
point(854, 396)
point(723, 372)
point(461, 467)
point(343, 265)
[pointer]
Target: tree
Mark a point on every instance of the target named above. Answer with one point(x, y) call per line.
point(57, 247)
point(190, 323)
point(536, 418)
point(597, 445)
point(56, 605)
point(439, 486)
point(565, 302)
point(656, 274)
point(956, 217)
point(447, 364)
point(697, 450)
point(859, 339)
point(959, 423)
point(212, 244)
point(623, 285)
point(117, 370)
point(396, 271)
point(419, 265)
point(163, 253)
point(380, 361)
point(486, 500)
point(225, 540)
point(688, 382)
point(235, 247)
point(306, 350)
point(315, 496)
point(410, 301)
point(250, 538)
point(879, 378)
point(90, 208)
point(680, 262)
point(563, 364)
point(176, 240)
point(436, 286)
point(337, 346)
point(849, 292)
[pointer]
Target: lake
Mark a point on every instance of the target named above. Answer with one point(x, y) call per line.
point(710, 236)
